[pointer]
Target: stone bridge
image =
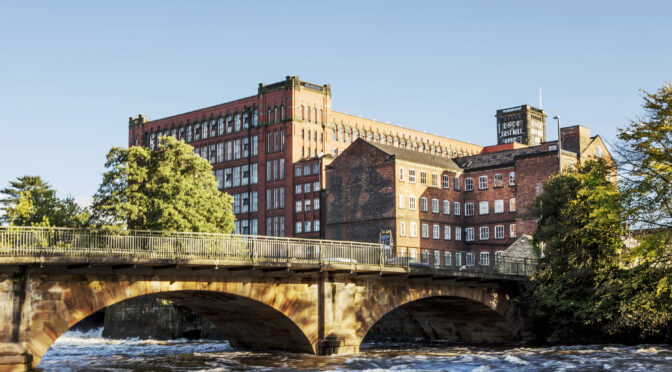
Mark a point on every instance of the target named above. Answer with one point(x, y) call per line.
point(309, 296)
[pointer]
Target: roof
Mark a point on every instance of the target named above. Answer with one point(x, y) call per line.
point(415, 156)
point(495, 159)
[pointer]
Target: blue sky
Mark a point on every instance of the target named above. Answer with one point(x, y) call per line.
point(71, 73)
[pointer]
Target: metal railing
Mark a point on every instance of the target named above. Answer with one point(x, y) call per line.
point(133, 245)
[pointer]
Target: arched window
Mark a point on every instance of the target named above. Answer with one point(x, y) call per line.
point(152, 138)
point(303, 113)
point(355, 134)
point(320, 117)
point(383, 140)
point(376, 138)
point(402, 142)
point(236, 123)
point(189, 133)
point(308, 113)
point(598, 151)
point(180, 136)
point(369, 136)
point(347, 135)
point(275, 115)
point(340, 134)
point(421, 148)
point(229, 124)
point(213, 128)
point(204, 130)
point(315, 114)
point(282, 112)
point(255, 118)
point(220, 125)
point(333, 134)
point(246, 120)
point(389, 140)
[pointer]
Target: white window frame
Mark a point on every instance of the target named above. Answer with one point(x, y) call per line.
point(499, 232)
point(446, 207)
point(458, 233)
point(456, 208)
point(425, 231)
point(423, 204)
point(435, 205)
point(445, 181)
point(512, 205)
point(468, 184)
point(401, 174)
point(499, 206)
point(484, 259)
point(414, 230)
point(512, 178)
point(447, 259)
point(512, 230)
point(469, 234)
point(436, 232)
point(484, 233)
point(412, 202)
point(402, 228)
point(469, 209)
point(471, 259)
point(446, 232)
point(483, 207)
point(483, 182)
point(401, 202)
point(411, 175)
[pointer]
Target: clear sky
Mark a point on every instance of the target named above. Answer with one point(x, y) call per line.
point(71, 73)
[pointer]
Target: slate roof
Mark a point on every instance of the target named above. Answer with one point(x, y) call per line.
point(415, 156)
point(495, 159)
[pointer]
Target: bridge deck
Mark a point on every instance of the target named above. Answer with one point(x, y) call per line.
point(189, 252)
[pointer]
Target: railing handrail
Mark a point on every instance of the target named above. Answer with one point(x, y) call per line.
point(21, 241)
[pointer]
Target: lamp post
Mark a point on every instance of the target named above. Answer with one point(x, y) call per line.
point(557, 117)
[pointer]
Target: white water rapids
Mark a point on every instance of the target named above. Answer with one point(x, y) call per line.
point(89, 351)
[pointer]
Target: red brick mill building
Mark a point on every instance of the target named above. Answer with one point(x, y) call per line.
point(297, 168)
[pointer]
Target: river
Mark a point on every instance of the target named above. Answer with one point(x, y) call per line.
point(86, 351)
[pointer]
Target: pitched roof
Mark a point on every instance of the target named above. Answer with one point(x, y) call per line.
point(415, 156)
point(495, 159)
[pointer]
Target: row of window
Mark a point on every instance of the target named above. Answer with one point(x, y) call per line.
point(246, 227)
point(484, 231)
point(275, 169)
point(348, 135)
point(275, 198)
point(275, 226)
point(306, 205)
point(245, 202)
point(236, 176)
point(305, 188)
point(484, 206)
point(307, 226)
point(311, 115)
point(309, 135)
point(275, 141)
point(304, 170)
point(229, 150)
point(208, 128)
point(461, 258)
point(498, 180)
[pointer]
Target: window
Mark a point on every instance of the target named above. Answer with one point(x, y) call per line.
point(306, 205)
point(512, 230)
point(469, 209)
point(306, 170)
point(447, 259)
point(435, 180)
point(468, 184)
point(228, 177)
point(456, 208)
point(598, 151)
point(411, 202)
point(298, 189)
point(484, 259)
point(445, 181)
point(246, 147)
point(219, 174)
point(299, 227)
point(469, 234)
point(236, 149)
point(512, 178)
point(401, 201)
point(220, 152)
point(425, 256)
point(446, 232)
point(229, 151)
point(236, 203)
point(316, 204)
point(297, 171)
point(316, 168)
point(306, 187)
point(437, 258)
point(458, 233)
point(436, 232)
point(307, 224)
point(401, 174)
point(483, 208)
point(425, 231)
point(236, 176)
point(446, 207)
point(316, 186)
point(498, 257)
point(299, 204)
point(484, 233)
point(402, 228)
point(498, 180)
point(255, 201)
point(456, 184)
point(482, 182)
point(499, 206)
point(244, 175)
point(316, 225)
point(499, 232)
point(512, 205)
point(411, 175)
point(423, 204)
point(458, 258)
point(435, 205)
point(423, 177)
point(414, 229)
point(471, 259)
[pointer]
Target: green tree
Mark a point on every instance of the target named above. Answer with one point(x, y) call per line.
point(644, 154)
point(580, 231)
point(168, 188)
point(30, 201)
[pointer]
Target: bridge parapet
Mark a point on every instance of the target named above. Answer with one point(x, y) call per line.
point(30, 245)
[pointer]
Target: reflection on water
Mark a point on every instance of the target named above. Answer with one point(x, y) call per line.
point(86, 351)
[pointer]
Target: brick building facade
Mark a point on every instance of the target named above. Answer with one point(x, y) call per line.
point(442, 211)
point(257, 145)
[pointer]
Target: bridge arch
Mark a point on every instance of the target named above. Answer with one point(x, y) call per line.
point(260, 314)
point(433, 303)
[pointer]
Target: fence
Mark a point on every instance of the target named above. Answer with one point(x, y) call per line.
point(132, 245)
